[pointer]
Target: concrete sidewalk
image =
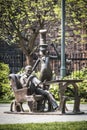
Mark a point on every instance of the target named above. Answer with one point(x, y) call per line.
point(6, 118)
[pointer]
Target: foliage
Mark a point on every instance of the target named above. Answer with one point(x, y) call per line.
point(21, 21)
point(82, 86)
point(47, 126)
point(5, 90)
point(77, 11)
point(76, 19)
point(54, 90)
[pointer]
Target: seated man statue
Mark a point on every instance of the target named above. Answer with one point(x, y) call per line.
point(36, 86)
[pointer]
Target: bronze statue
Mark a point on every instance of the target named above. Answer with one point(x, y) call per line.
point(36, 87)
point(44, 59)
point(45, 74)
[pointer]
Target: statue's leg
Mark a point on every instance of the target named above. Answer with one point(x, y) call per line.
point(40, 105)
point(50, 106)
point(17, 106)
point(11, 106)
point(21, 106)
point(30, 105)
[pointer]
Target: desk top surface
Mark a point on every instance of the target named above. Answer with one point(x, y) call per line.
point(66, 81)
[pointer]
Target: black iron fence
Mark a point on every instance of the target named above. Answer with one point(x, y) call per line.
point(13, 58)
point(75, 60)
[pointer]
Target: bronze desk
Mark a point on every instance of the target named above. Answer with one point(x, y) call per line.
point(63, 84)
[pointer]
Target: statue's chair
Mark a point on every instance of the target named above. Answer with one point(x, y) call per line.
point(21, 96)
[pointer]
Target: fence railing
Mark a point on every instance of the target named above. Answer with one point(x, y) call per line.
point(75, 60)
point(13, 58)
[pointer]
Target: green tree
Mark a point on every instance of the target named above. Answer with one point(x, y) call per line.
point(5, 90)
point(76, 19)
point(21, 21)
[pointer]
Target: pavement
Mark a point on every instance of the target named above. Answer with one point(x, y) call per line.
point(6, 117)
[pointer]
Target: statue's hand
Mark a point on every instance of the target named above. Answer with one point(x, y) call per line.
point(44, 82)
point(41, 85)
point(52, 44)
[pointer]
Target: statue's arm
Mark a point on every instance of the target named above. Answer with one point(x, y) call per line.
point(35, 65)
point(53, 57)
point(57, 54)
point(25, 82)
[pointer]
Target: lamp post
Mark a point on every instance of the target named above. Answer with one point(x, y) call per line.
point(63, 69)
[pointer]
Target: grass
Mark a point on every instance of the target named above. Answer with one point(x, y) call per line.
point(47, 126)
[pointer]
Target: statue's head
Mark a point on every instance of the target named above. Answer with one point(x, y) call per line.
point(43, 47)
point(28, 69)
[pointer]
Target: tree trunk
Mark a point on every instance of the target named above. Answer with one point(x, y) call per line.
point(29, 60)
